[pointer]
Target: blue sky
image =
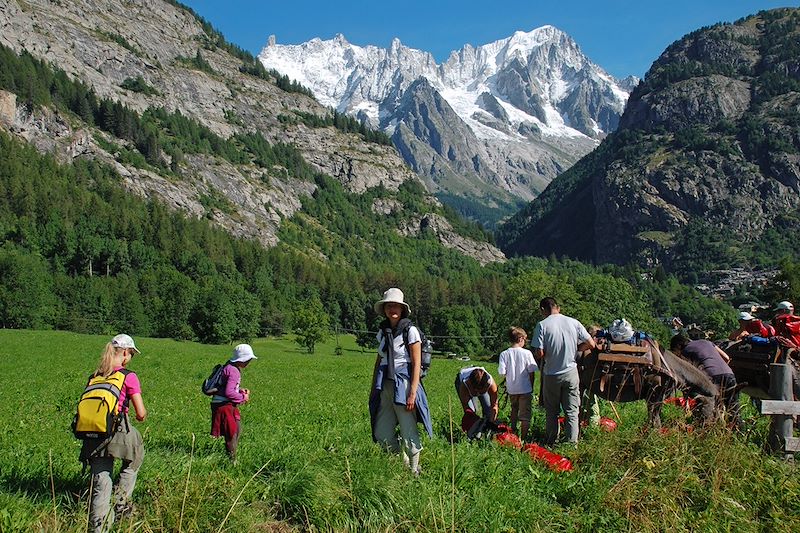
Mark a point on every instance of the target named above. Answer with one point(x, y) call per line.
point(622, 36)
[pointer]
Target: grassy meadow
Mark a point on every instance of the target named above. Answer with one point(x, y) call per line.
point(307, 462)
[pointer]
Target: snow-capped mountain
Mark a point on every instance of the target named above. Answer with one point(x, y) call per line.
point(492, 125)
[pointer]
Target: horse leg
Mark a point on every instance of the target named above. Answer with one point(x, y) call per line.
point(655, 400)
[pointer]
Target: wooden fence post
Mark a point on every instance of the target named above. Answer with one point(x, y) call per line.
point(780, 388)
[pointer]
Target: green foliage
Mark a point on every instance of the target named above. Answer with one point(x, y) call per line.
point(138, 85)
point(26, 292)
point(465, 212)
point(198, 62)
point(339, 121)
point(120, 40)
point(311, 324)
point(464, 333)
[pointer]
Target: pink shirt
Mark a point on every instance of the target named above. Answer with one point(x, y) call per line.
point(232, 377)
point(130, 387)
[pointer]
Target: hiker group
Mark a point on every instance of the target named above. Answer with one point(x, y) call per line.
point(397, 398)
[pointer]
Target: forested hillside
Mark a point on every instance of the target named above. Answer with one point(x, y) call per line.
point(704, 171)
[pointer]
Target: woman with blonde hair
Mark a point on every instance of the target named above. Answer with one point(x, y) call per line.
point(125, 444)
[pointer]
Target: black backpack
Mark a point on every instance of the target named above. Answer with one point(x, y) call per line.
point(426, 346)
point(426, 350)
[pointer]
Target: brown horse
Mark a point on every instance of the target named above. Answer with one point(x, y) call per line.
point(626, 373)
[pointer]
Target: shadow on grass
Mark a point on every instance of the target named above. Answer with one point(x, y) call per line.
point(73, 486)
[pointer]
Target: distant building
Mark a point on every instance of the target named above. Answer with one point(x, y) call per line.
point(752, 307)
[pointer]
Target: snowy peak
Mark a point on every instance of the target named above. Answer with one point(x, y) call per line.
point(505, 116)
point(534, 72)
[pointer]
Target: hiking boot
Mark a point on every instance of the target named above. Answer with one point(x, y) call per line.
point(123, 510)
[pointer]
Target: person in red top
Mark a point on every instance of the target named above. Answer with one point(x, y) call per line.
point(750, 325)
point(783, 311)
point(126, 444)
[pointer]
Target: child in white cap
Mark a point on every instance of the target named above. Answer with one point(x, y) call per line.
point(126, 444)
point(225, 416)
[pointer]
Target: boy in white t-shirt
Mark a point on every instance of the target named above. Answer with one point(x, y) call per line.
point(518, 366)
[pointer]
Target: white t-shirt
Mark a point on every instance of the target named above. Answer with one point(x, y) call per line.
point(401, 355)
point(558, 336)
point(517, 364)
point(463, 375)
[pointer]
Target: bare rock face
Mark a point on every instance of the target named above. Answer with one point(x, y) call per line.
point(711, 136)
point(703, 100)
point(8, 107)
point(104, 43)
point(438, 225)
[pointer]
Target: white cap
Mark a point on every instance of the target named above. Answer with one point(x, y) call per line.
point(242, 353)
point(392, 295)
point(784, 306)
point(744, 315)
point(124, 341)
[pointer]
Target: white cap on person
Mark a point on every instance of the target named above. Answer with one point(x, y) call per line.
point(124, 341)
point(784, 306)
point(744, 315)
point(242, 353)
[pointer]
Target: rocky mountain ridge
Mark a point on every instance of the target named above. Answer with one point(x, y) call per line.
point(706, 161)
point(492, 124)
point(103, 44)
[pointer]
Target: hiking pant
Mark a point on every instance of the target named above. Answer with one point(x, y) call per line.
point(561, 391)
point(729, 396)
point(389, 416)
point(485, 401)
point(101, 514)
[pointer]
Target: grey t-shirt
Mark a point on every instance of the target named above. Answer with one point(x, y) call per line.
point(558, 336)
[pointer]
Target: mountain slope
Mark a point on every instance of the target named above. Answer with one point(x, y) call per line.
point(704, 170)
point(154, 54)
point(509, 115)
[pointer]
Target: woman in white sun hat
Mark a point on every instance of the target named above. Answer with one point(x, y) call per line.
point(397, 397)
point(225, 416)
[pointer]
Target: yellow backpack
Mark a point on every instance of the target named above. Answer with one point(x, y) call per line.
point(97, 415)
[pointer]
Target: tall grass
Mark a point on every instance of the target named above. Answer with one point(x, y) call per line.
point(308, 423)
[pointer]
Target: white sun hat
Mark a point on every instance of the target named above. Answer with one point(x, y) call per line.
point(242, 353)
point(392, 295)
point(124, 341)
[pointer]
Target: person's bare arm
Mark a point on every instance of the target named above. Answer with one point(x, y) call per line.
point(138, 406)
point(493, 400)
point(587, 345)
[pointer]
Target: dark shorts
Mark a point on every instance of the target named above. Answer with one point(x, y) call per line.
point(225, 419)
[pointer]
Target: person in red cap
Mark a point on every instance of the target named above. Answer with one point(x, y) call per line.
point(784, 312)
point(225, 416)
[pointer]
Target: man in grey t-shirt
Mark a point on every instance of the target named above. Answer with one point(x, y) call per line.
point(555, 341)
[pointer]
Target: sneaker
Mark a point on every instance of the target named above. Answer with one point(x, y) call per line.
point(123, 510)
